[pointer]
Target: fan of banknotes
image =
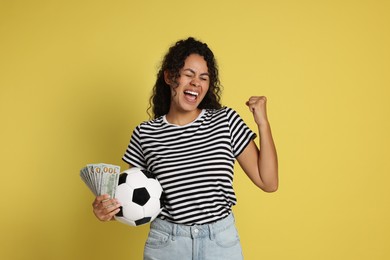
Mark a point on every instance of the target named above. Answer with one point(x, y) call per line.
point(101, 178)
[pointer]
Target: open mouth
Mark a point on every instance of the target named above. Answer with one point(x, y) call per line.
point(191, 95)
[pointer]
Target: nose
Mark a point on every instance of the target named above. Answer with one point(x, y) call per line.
point(195, 82)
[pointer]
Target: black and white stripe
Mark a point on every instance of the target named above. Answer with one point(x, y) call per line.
point(194, 163)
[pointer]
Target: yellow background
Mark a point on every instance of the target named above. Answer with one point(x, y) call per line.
point(75, 78)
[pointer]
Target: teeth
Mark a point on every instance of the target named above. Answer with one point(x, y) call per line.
point(191, 93)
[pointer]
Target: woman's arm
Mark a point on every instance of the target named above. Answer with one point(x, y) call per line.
point(261, 165)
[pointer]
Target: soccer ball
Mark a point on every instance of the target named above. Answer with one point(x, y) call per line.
point(140, 195)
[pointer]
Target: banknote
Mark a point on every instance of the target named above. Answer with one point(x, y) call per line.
point(101, 178)
point(109, 179)
point(84, 174)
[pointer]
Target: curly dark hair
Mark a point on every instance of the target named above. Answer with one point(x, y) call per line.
point(173, 62)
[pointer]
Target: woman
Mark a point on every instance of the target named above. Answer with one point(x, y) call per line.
point(191, 145)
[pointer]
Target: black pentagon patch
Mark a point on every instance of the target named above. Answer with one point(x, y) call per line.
point(120, 213)
point(142, 221)
point(122, 178)
point(141, 196)
point(148, 174)
point(162, 200)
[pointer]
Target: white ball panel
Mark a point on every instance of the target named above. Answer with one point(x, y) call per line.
point(155, 215)
point(136, 179)
point(133, 211)
point(152, 207)
point(124, 193)
point(154, 188)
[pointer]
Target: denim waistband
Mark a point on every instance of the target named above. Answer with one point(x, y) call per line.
point(193, 231)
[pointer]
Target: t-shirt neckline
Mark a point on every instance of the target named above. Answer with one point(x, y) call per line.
point(190, 123)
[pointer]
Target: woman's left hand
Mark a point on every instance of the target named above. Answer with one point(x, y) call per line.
point(258, 106)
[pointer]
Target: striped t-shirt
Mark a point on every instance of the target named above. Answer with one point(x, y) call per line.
point(194, 163)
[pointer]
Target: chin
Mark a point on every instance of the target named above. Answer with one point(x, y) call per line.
point(190, 107)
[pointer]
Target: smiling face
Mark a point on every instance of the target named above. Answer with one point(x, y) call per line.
point(190, 87)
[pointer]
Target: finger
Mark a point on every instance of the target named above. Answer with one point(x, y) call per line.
point(251, 102)
point(250, 106)
point(96, 202)
point(258, 101)
point(110, 215)
point(110, 207)
point(107, 208)
point(253, 98)
point(100, 199)
point(113, 212)
point(109, 202)
point(262, 99)
point(105, 214)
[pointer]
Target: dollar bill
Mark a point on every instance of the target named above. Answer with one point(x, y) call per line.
point(101, 178)
point(105, 169)
point(92, 178)
point(110, 177)
point(85, 177)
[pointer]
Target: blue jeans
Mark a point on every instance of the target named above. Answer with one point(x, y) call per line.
point(216, 241)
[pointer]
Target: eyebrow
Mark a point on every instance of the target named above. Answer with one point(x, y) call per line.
point(192, 71)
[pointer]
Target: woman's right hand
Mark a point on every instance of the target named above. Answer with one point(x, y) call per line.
point(105, 208)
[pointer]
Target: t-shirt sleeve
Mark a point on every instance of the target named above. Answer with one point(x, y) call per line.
point(241, 134)
point(134, 153)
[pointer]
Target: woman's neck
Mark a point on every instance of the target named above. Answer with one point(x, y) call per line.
point(182, 118)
